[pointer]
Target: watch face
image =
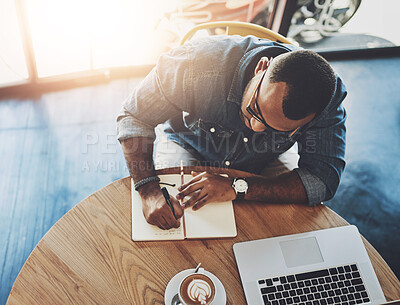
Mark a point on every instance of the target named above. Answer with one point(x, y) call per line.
point(241, 185)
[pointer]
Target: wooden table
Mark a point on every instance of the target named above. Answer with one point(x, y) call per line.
point(88, 256)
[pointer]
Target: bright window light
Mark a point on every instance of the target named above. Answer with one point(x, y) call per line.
point(78, 35)
point(12, 60)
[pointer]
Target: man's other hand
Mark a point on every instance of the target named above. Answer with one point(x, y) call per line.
point(206, 188)
point(158, 213)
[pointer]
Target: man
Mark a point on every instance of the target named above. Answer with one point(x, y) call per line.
point(237, 102)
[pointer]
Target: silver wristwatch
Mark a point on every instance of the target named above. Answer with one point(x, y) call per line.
point(240, 186)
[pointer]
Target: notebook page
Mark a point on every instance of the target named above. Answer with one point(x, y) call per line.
point(214, 220)
point(141, 229)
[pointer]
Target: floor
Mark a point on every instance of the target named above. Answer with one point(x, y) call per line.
point(57, 149)
point(369, 193)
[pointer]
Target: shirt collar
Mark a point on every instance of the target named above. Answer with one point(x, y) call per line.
point(242, 69)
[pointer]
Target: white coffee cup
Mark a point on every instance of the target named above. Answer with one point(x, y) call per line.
point(197, 289)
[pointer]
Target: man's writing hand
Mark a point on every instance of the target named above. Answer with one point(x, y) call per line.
point(205, 188)
point(158, 213)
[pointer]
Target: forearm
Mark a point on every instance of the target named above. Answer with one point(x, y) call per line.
point(138, 153)
point(286, 188)
point(139, 158)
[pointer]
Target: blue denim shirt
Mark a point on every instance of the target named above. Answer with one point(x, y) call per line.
point(196, 91)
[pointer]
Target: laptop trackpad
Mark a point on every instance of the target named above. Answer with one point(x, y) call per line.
point(299, 252)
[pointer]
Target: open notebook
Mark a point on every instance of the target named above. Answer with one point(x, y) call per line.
point(214, 220)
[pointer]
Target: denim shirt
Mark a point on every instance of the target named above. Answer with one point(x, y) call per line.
point(196, 91)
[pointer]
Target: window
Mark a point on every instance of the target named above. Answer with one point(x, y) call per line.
point(12, 61)
point(77, 36)
point(74, 35)
point(46, 40)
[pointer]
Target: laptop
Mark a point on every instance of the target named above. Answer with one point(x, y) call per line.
point(321, 267)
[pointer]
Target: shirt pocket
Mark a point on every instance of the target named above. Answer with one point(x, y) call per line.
point(201, 127)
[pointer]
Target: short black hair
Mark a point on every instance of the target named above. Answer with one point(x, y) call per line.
point(311, 83)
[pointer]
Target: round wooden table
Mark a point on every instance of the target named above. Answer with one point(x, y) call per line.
point(88, 256)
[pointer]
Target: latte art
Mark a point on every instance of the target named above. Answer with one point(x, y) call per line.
point(199, 290)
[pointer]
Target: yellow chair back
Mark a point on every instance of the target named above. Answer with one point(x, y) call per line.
point(237, 28)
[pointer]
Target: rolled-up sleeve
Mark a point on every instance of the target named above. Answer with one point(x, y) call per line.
point(322, 152)
point(161, 95)
point(128, 126)
point(315, 188)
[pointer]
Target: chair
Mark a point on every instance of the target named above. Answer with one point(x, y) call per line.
point(237, 28)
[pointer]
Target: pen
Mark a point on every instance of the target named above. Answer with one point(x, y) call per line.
point(168, 199)
point(183, 216)
point(182, 173)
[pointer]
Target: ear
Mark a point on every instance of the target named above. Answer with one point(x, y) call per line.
point(256, 125)
point(261, 65)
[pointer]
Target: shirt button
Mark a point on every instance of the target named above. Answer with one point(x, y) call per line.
point(245, 140)
point(227, 163)
point(212, 129)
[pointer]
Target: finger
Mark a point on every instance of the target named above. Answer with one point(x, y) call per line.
point(193, 200)
point(197, 177)
point(202, 202)
point(176, 224)
point(183, 186)
point(170, 219)
point(164, 219)
point(162, 224)
point(189, 190)
point(195, 173)
point(178, 210)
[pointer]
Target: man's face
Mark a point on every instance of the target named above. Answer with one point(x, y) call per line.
point(269, 97)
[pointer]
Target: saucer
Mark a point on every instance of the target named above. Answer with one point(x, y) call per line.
point(172, 287)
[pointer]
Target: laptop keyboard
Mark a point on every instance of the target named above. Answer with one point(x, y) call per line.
point(337, 285)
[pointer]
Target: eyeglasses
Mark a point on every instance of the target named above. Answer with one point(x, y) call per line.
point(256, 114)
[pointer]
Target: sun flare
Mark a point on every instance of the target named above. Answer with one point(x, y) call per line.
point(76, 35)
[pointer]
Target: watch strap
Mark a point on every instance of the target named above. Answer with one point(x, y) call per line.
point(240, 195)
